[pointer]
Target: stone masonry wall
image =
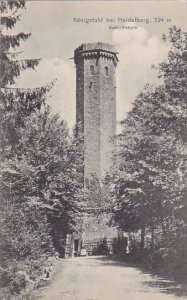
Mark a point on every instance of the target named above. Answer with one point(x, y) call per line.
point(91, 118)
point(107, 113)
point(96, 104)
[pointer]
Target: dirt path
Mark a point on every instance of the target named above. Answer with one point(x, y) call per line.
point(100, 278)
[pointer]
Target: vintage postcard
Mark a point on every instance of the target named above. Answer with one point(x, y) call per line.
point(93, 122)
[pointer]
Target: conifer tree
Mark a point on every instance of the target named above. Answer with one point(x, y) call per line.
point(25, 239)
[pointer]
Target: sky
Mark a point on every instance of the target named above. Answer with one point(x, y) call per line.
point(55, 35)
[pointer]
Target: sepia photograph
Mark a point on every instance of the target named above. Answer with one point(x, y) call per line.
point(93, 150)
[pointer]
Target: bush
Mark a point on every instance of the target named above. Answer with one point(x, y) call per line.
point(18, 282)
point(120, 246)
point(5, 277)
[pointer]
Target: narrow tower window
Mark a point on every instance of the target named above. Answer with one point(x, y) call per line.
point(91, 70)
point(106, 71)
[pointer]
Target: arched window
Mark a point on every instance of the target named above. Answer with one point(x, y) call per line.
point(106, 71)
point(91, 70)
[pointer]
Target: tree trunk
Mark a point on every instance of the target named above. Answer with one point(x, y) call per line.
point(162, 217)
point(152, 236)
point(142, 243)
point(163, 225)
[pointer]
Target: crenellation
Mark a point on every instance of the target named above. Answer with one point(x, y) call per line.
point(95, 50)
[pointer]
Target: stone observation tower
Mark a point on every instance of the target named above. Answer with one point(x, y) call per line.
point(96, 104)
point(96, 118)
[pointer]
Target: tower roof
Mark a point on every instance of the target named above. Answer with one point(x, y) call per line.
point(90, 50)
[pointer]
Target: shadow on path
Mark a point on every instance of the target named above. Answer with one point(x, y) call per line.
point(152, 280)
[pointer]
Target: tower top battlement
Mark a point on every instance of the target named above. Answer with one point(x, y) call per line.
point(94, 46)
point(97, 50)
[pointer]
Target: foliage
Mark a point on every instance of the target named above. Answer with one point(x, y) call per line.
point(25, 233)
point(149, 178)
point(15, 103)
point(48, 149)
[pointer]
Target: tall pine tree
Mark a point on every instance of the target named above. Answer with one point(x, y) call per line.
point(25, 239)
